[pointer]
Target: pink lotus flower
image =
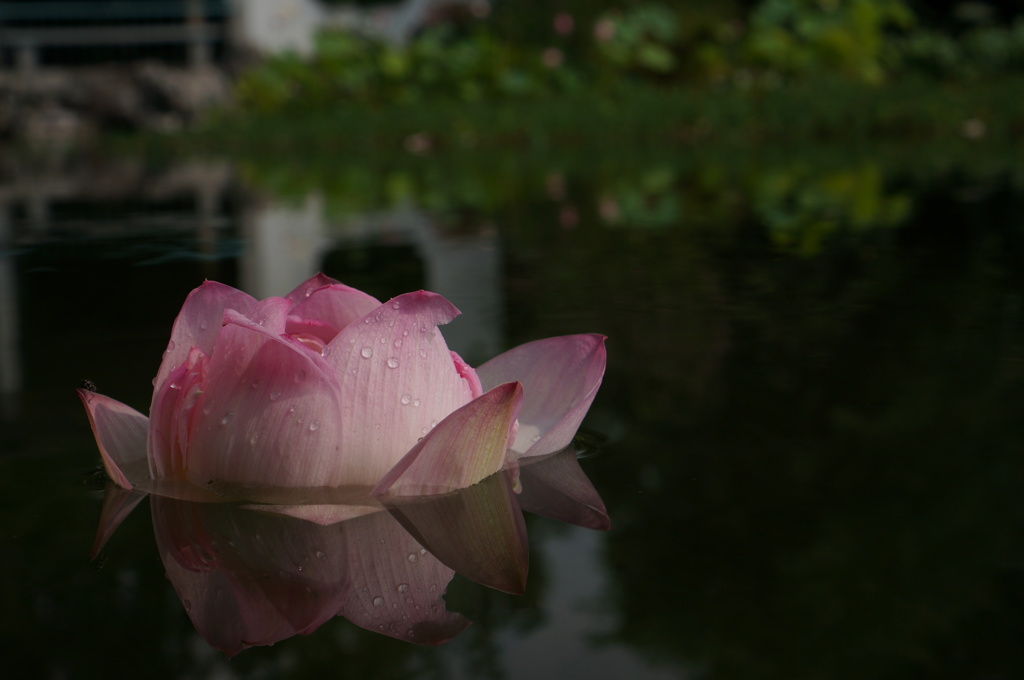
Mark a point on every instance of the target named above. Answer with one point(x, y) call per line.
point(329, 388)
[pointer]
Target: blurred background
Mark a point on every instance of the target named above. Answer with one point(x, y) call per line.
point(799, 222)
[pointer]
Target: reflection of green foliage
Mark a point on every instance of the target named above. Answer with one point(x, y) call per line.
point(798, 37)
point(979, 51)
point(802, 201)
point(650, 200)
point(643, 38)
point(800, 211)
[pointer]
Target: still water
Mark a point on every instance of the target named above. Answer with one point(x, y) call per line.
point(809, 436)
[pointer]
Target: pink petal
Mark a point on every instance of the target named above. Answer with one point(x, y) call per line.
point(477, 531)
point(323, 514)
point(268, 416)
point(556, 486)
point(118, 503)
point(271, 313)
point(463, 449)
point(397, 585)
point(397, 380)
point(311, 332)
point(198, 323)
point(249, 579)
point(306, 288)
point(560, 378)
point(171, 415)
point(120, 433)
point(337, 305)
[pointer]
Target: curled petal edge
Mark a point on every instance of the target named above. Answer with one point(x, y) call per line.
point(121, 434)
point(465, 448)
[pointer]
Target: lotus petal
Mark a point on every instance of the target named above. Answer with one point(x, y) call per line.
point(246, 578)
point(171, 417)
point(337, 305)
point(270, 313)
point(269, 409)
point(463, 449)
point(477, 531)
point(398, 586)
point(556, 487)
point(322, 514)
point(198, 323)
point(118, 503)
point(120, 433)
point(560, 378)
point(306, 288)
point(398, 381)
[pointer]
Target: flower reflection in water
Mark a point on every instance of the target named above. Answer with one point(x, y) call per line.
point(251, 574)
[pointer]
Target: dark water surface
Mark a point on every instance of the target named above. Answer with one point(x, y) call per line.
point(809, 438)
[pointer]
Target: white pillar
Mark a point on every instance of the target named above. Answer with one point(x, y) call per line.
point(285, 246)
point(269, 26)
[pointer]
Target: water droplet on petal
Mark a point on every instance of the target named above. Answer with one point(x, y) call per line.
point(207, 408)
point(174, 385)
point(274, 396)
point(320, 554)
point(396, 304)
point(188, 605)
point(366, 352)
point(383, 339)
point(406, 399)
point(170, 345)
point(398, 342)
point(378, 601)
point(254, 438)
point(536, 438)
point(403, 587)
point(423, 353)
point(291, 409)
point(392, 362)
point(227, 418)
point(416, 402)
point(413, 557)
point(314, 426)
point(300, 376)
point(203, 325)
